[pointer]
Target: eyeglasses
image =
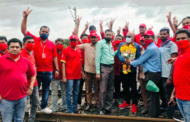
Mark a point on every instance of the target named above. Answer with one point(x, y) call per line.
point(127, 36)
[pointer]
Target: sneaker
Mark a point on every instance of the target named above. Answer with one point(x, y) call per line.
point(46, 111)
point(102, 113)
point(178, 117)
point(134, 109)
point(124, 105)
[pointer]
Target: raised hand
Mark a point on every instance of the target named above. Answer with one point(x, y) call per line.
point(119, 30)
point(169, 16)
point(150, 28)
point(112, 21)
point(127, 25)
point(175, 21)
point(26, 12)
point(79, 19)
point(101, 23)
point(87, 24)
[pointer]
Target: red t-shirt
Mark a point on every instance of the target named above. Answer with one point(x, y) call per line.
point(181, 78)
point(59, 57)
point(72, 60)
point(117, 63)
point(44, 64)
point(137, 38)
point(30, 57)
point(13, 75)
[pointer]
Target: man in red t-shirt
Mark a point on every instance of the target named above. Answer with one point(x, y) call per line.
point(14, 71)
point(71, 68)
point(180, 74)
point(142, 29)
point(117, 66)
point(3, 45)
point(57, 81)
point(46, 57)
point(28, 53)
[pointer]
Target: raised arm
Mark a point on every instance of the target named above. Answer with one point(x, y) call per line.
point(170, 22)
point(76, 29)
point(126, 29)
point(111, 23)
point(85, 29)
point(119, 31)
point(101, 29)
point(24, 21)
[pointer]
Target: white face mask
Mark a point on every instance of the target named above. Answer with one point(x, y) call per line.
point(128, 40)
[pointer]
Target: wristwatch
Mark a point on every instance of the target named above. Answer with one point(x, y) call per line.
point(57, 70)
point(31, 88)
point(171, 79)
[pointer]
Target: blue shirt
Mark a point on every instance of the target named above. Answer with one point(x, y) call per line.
point(150, 60)
point(167, 50)
point(120, 57)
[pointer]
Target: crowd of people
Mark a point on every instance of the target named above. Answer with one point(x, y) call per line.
point(107, 62)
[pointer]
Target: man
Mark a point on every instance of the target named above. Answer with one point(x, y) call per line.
point(129, 80)
point(14, 70)
point(46, 55)
point(168, 50)
point(105, 72)
point(142, 30)
point(57, 81)
point(180, 74)
point(117, 66)
point(28, 53)
point(71, 67)
point(90, 70)
point(3, 45)
point(151, 63)
point(84, 39)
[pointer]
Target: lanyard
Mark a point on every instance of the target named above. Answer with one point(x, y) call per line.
point(43, 47)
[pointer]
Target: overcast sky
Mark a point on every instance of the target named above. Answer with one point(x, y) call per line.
point(56, 15)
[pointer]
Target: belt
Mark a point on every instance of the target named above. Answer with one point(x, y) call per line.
point(107, 65)
point(151, 72)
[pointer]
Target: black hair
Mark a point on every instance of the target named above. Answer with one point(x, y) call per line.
point(108, 30)
point(92, 27)
point(183, 31)
point(3, 37)
point(26, 38)
point(14, 40)
point(188, 17)
point(165, 29)
point(83, 35)
point(60, 40)
point(44, 27)
point(120, 36)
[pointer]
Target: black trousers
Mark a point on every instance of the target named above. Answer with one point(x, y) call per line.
point(80, 91)
point(117, 84)
point(153, 97)
point(129, 81)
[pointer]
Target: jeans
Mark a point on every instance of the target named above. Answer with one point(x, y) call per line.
point(168, 91)
point(117, 85)
point(184, 107)
point(34, 101)
point(80, 91)
point(14, 108)
point(54, 98)
point(72, 86)
point(44, 78)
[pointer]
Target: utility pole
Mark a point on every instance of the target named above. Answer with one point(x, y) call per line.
point(75, 10)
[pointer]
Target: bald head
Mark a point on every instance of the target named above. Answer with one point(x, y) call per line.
point(130, 33)
point(129, 37)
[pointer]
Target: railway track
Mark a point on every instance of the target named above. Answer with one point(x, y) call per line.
point(65, 117)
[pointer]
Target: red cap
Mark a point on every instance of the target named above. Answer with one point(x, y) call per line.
point(73, 37)
point(124, 29)
point(94, 34)
point(142, 25)
point(149, 32)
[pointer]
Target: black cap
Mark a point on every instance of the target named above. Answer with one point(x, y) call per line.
point(92, 27)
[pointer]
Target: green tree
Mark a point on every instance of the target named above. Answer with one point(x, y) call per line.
point(66, 42)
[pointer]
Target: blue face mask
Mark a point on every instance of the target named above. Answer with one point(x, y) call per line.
point(44, 36)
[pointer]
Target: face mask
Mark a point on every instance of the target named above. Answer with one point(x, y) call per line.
point(73, 43)
point(113, 37)
point(145, 46)
point(107, 39)
point(186, 27)
point(128, 40)
point(182, 45)
point(147, 42)
point(59, 47)
point(92, 31)
point(14, 56)
point(85, 41)
point(117, 42)
point(3, 47)
point(29, 46)
point(44, 36)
